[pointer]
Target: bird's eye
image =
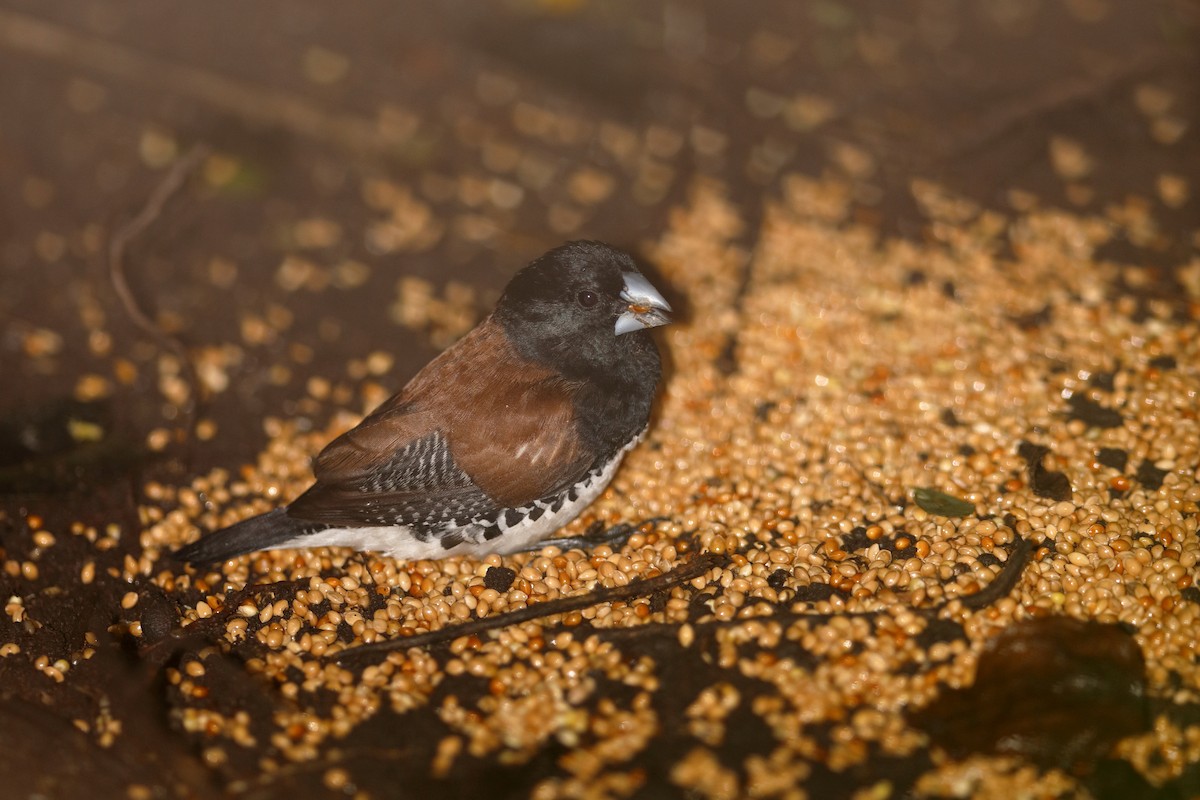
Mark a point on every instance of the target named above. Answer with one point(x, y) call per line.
point(587, 299)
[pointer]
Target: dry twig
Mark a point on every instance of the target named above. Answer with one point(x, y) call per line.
point(681, 574)
point(170, 185)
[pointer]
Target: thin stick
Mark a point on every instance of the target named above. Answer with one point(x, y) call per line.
point(1004, 582)
point(1000, 587)
point(682, 574)
point(170, 185)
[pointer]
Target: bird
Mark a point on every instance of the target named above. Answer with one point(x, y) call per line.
point(497, 442)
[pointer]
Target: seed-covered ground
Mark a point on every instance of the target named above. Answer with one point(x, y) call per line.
point(917, 513)
point(859, 437)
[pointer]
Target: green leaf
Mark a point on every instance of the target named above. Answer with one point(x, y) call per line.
point(942, 504)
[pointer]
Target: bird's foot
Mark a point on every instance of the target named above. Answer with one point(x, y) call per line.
point(615, 537)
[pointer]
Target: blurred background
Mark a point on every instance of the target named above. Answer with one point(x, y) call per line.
point(373, 173)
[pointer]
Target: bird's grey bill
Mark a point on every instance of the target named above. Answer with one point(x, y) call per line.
point(646, 307)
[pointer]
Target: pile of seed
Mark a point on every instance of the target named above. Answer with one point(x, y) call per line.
point(861, 431)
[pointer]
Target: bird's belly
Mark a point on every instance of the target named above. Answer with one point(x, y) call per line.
point(518, 528)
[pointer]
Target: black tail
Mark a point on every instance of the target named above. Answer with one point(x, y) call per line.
point(257, 533)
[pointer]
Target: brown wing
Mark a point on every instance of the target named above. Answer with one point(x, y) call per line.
point(372, 443)
point(520, 442)
point(508, 424)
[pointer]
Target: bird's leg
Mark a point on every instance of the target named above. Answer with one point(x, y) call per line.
point(615, 537)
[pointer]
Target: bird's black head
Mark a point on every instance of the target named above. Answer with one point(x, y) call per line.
point(583, 309)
